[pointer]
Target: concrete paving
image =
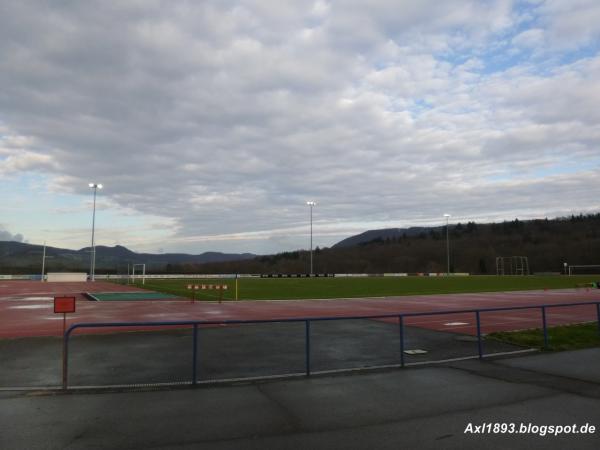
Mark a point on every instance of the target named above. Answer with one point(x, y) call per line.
point(418, 407)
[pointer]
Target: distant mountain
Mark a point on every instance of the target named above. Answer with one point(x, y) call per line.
point(20, 257)
point(386, 233)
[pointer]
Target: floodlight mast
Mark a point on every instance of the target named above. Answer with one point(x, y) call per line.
point(447, 216)
point(311, 204)
point(95, 187)
point(44, 258)
point(43, 261)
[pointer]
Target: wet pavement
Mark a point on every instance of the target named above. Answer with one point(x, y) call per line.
point(417, 407)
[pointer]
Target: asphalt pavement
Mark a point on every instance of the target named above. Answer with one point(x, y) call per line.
point(416, 407)
point(256, 350)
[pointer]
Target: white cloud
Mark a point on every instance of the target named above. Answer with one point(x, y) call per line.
point(23, 161)
point(5, 235)
point(222, 118)
point(532, 38)
point(571, 23)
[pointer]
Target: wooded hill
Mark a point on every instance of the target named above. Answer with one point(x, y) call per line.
point(473, 248)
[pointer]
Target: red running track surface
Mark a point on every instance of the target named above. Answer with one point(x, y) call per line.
point(26, 309)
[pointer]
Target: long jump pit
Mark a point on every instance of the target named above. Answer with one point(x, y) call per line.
point(31, 341)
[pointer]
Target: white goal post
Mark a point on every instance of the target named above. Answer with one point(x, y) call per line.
point(143, 266)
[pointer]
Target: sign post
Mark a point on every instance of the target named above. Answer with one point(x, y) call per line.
point(193, 289)
point(64, 306)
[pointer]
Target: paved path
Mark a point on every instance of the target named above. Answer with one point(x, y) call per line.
point(412, 408)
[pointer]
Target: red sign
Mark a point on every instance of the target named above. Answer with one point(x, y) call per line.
point(64, 304)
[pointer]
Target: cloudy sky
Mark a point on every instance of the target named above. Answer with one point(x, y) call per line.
point(212, 123)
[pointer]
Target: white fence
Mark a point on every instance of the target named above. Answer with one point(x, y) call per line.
point(221, 276)
point(63, 277)
point(20, 277)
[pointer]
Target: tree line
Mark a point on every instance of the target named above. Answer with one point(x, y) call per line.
point(548, 244)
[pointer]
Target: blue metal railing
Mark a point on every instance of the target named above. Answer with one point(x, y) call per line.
point(307, 321)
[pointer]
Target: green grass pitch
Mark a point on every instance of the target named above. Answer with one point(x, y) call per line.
point(320, 288)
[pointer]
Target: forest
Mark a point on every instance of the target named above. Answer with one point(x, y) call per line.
point(547, 243)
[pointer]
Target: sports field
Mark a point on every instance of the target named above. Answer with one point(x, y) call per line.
point(360, 287)
point(238, 339)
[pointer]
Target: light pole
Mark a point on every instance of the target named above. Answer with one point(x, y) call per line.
point(44, 261)
point(95, 187)
point(447, 216)
point(311, 204)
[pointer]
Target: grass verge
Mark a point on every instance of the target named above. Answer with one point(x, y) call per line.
point(566, 337)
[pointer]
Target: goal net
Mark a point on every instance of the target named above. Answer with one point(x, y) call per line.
point(512, 265)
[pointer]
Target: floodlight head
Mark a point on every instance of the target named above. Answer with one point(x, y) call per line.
point(311, 203)
point(91, 185)
point(99, 186)
point(447, 215)
point(95, 185)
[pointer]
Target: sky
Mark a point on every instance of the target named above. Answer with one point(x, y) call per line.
point(211, 124)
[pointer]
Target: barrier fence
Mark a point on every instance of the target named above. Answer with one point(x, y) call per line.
point(307, 330)
point(167, 276)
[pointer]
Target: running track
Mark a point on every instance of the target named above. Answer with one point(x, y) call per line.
point(26, 308)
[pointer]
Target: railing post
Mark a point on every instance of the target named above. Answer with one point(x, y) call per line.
point(598, 315)
point(401, 333)
point(195, 356)
point(307, 346)
point(65, 361)
point(545, 327)
point(479, 344)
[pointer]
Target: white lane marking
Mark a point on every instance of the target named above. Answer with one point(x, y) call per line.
point(30, 307)
point(416, 351)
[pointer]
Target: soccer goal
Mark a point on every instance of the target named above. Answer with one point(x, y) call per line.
point(584, 269)
point(512, 265)
point(143, 272)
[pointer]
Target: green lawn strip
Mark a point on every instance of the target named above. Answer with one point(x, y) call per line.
point(566, 337)
point(314, 288)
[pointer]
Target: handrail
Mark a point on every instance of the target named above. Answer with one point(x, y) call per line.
point(400, 316)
